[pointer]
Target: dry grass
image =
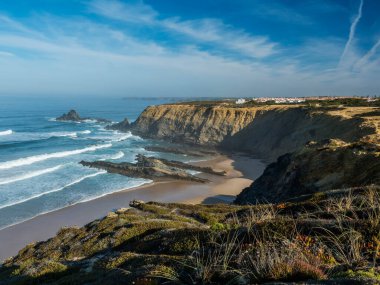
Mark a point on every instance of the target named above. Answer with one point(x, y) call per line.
point(335, 235)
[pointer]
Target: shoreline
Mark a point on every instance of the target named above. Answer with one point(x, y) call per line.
point(241, 171)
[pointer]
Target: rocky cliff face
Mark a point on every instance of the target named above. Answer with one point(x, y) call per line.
point(267, 131)
point(317, 167)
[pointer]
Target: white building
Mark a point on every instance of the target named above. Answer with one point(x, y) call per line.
point(240, 101)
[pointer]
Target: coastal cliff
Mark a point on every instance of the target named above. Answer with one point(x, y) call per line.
point(317, 167)
point(266, 131)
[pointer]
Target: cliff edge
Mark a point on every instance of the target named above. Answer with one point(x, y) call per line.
point(266, 131)
point(318, 167)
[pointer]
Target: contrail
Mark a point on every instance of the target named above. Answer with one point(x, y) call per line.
point(352, 32)
point(361, 62)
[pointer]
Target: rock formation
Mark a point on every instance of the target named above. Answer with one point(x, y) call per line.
point(266, 131)
point(73, 116)
point(183, 150)
point(153, 168)
point(122, 126)
point(318, 167)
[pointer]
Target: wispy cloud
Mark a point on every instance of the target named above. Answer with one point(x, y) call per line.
point(366, 58)
point(351, 35)
point(201, 56)
point(204, 30)
point(276, 11)
point(5, 53)
point(137, 12)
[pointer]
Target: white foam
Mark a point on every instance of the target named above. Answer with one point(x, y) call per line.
point(123, 138)
point(80, 202)
point(36, 158)
point(89, 121)
point(118, 155)
point(54, 190)
point(69, 134)
point(29, 175)
point(115, 191)
point(6, 133)
point(63, 134)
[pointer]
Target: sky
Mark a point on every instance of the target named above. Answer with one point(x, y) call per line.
point(198, 48)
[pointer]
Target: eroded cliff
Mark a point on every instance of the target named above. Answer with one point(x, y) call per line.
point(267, 131)
point(318, 167)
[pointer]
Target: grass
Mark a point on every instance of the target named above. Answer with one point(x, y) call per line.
point(325, 237)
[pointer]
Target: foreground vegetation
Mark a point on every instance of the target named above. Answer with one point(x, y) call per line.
point(325, 236)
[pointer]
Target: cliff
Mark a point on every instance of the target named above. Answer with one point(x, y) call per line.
point(318, 167)
point(267, 131)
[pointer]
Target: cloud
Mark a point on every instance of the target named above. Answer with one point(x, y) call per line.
point(137, 12)
point(205, 30)
point(5, 53)
point(196, 57)
point(275, 11)
point(361, 63)
point(351, 35)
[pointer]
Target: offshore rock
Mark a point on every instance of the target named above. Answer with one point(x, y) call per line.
point(153, 168)
point(73, 116)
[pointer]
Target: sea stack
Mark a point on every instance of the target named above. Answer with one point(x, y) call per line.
point(72, 115)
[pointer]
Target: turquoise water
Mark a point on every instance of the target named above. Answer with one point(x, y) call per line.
point(39, 169)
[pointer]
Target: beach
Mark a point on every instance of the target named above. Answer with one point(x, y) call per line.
point(240, 172)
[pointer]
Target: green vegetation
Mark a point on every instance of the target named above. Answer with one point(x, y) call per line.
point(343, 102)
point(329, 236)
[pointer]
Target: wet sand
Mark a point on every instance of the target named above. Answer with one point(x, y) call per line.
point(241, 171)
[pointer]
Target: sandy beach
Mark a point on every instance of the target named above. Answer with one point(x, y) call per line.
point(241, 171)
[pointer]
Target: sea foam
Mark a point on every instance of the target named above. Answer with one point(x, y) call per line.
point(54, 190)
point(118, 155)
point(41, 157)
point(29, 175)
point(6, 133)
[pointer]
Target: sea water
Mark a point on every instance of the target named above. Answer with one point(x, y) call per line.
point(39, 156)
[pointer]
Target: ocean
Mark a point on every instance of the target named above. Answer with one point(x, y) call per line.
point(39, 156)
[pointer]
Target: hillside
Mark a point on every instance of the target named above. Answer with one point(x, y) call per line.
point(267, 131)
point(318, 219)
point(333, 237)
point(317, 167)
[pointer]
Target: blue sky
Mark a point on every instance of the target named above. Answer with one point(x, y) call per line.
point(234, 48)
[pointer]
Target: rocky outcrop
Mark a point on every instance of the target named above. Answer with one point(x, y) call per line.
point(318, 167)
point(153, 168)
point(73, 116)
point(122, 126)
point(266, 131)
point(183, 150)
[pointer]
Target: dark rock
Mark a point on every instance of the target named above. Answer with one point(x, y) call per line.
point(136, 203)
point(318, 167)
point(153, 168)
point(183, 150)
point(122, 126)
point(73, 116)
